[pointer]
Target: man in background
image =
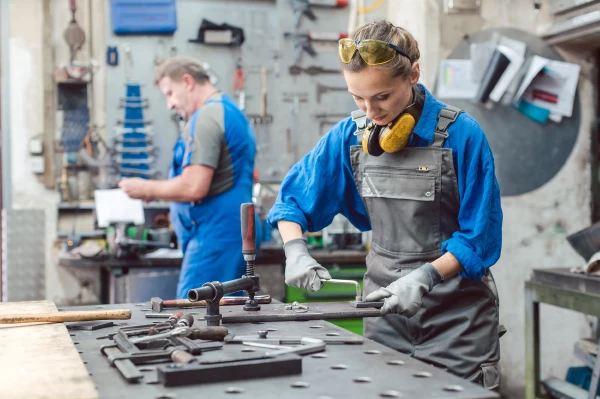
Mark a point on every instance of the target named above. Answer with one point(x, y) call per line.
point(210, 176)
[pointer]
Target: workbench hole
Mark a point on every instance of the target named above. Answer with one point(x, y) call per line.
point(390, 394)
point(333, 334)
point(139, 304)
point(300, 384)
point(453, 388)
point(248, 350)
point(100, 307)
point(316, 326)
point(145, 310)
point(75, 343)
point(80, 352)
point(272, 329)
point(147, 369)
point(373, 352)
point(362, 379)
point(234, 390)
point(319, 356)
point(339, 367)
point(166, 396)
point(396, 362)
point(72, 335)
point(84, 362)
point(422, 374)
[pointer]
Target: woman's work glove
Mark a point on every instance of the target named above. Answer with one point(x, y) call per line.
point(301, 270)
point(405, 295)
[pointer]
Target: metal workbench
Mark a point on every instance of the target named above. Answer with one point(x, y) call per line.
point(558, 287)
point(369, 370)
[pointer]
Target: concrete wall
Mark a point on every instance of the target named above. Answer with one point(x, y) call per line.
point(535, 224)
point(27, 24)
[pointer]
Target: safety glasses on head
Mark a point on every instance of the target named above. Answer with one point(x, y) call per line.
point(373, 52)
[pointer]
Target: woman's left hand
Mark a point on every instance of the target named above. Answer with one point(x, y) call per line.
point(405, 295)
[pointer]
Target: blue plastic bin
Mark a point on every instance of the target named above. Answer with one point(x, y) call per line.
point(143, 16)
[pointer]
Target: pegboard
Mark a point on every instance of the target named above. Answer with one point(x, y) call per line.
point(299, 120)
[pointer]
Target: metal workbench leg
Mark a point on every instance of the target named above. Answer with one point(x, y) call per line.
point(595, 378)
point(532, 344)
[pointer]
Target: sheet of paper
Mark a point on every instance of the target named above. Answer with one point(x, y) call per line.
point(114, 206)
point(516, 60)
point(535, 66)
point(555, 78)
point(454, 80)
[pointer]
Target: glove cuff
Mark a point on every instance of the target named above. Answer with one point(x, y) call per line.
point(434, 275)
point(295, 247)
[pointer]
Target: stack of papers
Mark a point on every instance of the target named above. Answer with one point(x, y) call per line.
point(499, 72)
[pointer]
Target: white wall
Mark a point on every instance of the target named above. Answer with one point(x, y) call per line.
point(534, 223)
point(27, 74)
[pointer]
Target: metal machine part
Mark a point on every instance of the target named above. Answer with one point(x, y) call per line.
point(213, 292)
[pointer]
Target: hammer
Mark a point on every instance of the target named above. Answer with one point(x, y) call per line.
point(65, 316)
point(159, 304)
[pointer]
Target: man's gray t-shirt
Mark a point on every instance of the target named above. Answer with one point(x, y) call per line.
point(209, 147)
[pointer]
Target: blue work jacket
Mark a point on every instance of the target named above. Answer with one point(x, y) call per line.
point(321, 185)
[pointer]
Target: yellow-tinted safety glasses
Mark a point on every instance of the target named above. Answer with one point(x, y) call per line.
point(373, 52)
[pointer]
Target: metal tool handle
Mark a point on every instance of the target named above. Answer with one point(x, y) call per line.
point(248, 230)
point(359, 297)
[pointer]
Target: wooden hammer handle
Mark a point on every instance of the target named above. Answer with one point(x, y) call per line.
point(71, 315)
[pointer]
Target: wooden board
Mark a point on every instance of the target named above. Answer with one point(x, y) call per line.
point(39, 360)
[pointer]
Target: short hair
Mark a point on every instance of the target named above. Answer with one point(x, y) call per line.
point(387, 32)
point(174, 68)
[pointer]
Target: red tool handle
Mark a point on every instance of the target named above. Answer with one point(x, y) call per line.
point(248, 229)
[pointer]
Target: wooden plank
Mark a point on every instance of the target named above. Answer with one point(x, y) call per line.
point(39, 360)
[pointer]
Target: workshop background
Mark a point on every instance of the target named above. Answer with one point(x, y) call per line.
point(53, 100)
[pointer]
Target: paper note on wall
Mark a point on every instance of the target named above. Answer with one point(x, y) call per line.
point(454, 80)
point(551, 85)
point(114, 206)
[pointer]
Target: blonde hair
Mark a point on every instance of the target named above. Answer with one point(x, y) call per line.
point(387, 32)
point(174, 68)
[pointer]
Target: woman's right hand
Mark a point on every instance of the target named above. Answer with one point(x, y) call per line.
point(302, 270)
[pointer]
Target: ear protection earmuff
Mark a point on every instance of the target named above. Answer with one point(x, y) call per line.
point(395, 135)
point(392, 137)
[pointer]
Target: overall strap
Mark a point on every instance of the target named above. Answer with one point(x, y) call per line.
point(186, 154)
point(446, 117)
point(360, 118)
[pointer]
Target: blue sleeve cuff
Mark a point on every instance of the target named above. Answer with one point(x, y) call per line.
point(281, 211)
point(471, 262)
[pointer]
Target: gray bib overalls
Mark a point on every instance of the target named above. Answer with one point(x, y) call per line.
point(412, 200)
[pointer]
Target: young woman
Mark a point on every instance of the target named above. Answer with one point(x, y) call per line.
point(420, 175)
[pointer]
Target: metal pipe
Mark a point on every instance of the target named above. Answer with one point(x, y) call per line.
point(207, 292)
point(359, 297)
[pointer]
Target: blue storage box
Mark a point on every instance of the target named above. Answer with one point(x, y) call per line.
point(143, 16)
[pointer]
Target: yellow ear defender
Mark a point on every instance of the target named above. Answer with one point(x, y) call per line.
point(395, 135)
point(389, 138)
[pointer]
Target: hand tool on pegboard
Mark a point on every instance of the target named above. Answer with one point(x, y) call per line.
point(303, 41)
point(312, 70)
point(303, 8)
point(157, 304)
point(65, 316)
point(74, 35)
point(238, 84)
point(322, 89)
